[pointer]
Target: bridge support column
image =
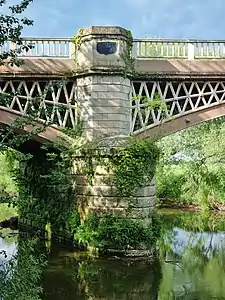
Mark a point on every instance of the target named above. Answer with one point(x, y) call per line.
point(104, 101)
point(103, 89)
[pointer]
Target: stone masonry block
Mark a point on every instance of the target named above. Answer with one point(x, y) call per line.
point(100, 88)
point(99, 180)
point(103, 79)
point(120, 95)
point(148, 201)
point(101, 191)
point(117, 117)
point(115, 88)
point(101, 95)
point(146, 191)
point(137, 213)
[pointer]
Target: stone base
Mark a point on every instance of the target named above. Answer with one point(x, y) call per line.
point(101, 198)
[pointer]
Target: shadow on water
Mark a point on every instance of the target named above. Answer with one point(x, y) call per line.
point(190, 266)
point(77, 277)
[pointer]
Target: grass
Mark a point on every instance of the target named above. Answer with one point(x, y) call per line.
point(6, 212)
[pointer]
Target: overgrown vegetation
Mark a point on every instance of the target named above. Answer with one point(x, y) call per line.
point(21, 275)
point(46, 193)
point(132, 162)
point(191, 169)
point(113, 232)
point(45, 183)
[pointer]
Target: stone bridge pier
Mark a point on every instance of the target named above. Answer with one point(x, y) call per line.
point(104, 104)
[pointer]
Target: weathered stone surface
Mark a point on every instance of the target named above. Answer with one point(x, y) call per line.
point(97, 180)
point(107, 197)
point(105, 30)
point(102, 196)
point(134, 213)
point(105, 190)
point(106, 109)
point(88, 56)
point(146, 191)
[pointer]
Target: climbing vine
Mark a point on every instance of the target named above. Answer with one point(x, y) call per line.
point(127, 54)
point(77, 41)
point(156, 103)
point(133, 163)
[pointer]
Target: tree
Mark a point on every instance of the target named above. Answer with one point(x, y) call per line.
point(11, 26)
point(12, 23)
point(198, 176)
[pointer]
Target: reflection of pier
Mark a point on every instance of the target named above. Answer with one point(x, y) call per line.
point(103, 279)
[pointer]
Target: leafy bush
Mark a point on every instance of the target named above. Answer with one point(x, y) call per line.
point(112, 232)
point(21, 276)
point(192, 183)
point(169, 183)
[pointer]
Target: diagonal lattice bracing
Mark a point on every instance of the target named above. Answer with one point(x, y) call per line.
point(55, 101)
point(157, 101)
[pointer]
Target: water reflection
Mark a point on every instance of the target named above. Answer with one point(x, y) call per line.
point(192, 257)
point(190, 266)
point(76, 278)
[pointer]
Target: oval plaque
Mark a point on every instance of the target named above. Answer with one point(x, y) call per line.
point(106, 47)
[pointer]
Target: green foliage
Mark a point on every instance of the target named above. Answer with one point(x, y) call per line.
point(7, 185)
point(21, 276)
point(156, 103)
point(196, 176)
point(12, 25)
point(46, 192)
point(77, 39)
point(127, 54)
point(170, 181)
point(112, 232)
point(133, 164)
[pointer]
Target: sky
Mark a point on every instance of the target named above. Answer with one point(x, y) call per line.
point(201, 19)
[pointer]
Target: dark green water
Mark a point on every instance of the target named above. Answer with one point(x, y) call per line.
point(190, 265)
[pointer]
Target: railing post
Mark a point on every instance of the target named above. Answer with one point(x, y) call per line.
point(134, 53)
point(191, 51)
point(71, 50)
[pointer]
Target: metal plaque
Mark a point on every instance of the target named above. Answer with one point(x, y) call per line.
point(106, 47)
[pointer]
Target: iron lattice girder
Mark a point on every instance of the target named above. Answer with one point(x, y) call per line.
point(55, 101)
point(180, 98)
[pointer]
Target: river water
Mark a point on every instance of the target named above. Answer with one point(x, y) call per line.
point(190, 265)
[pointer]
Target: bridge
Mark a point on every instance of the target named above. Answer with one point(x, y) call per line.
point(147, 88)
point(186, 74)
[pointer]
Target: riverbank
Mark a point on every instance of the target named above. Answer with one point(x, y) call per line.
point(175, 205)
